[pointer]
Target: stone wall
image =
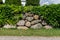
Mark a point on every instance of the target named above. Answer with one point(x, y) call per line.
point(30, 20)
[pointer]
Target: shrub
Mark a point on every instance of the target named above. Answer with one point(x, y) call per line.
point(32, 2)
point(10, 14)
point(50, 13)
point(28, 8)
point(0, 1)
point(16, 2)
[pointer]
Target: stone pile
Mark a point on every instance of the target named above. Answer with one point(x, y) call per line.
point(33, 21)
point(30, 20)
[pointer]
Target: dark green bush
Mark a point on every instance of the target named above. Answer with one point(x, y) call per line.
point(32, 2)
point(10, 14)
point(16, 2)
point(50, 13)
point(0, 1)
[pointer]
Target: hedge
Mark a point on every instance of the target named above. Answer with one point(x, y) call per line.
point(16, 2)
point(32, 2)
point(50, 13)
point(11, 13)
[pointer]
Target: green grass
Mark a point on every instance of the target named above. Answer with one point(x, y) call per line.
point(30, 32)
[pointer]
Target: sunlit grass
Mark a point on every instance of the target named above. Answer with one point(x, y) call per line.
point(30, 32)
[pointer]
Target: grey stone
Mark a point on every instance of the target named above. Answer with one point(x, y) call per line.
point(26, 20)
point(23, 17)
point(44, 23)
point(36, 26)
point(35, 21)
point(29, 18)
point(48, 27)
point(21, 23)
point(22, 27)
point(9, 26)
point(28, 14)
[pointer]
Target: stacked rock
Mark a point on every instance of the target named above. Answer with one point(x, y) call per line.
point(30, 20)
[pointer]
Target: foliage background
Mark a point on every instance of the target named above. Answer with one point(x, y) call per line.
point(32, 2)
point(16, 2)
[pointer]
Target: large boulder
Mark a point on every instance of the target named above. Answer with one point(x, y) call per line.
point(28, 24)
point(36, 26)
point(36, 16)
point(29, 18)
point(48, 27)
point(22, 27)
point(21, 23)
point(35, 22)
point(9, 26)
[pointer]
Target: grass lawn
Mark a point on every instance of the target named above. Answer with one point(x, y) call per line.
point(30, 32)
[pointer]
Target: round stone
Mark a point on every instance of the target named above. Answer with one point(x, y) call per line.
point(28, 24)
point(36, 17)
point(21, 23)
point(29, 18)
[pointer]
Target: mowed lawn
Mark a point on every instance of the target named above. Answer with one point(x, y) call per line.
point(30, 32)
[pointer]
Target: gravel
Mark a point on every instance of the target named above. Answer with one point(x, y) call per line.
point(28, 38)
